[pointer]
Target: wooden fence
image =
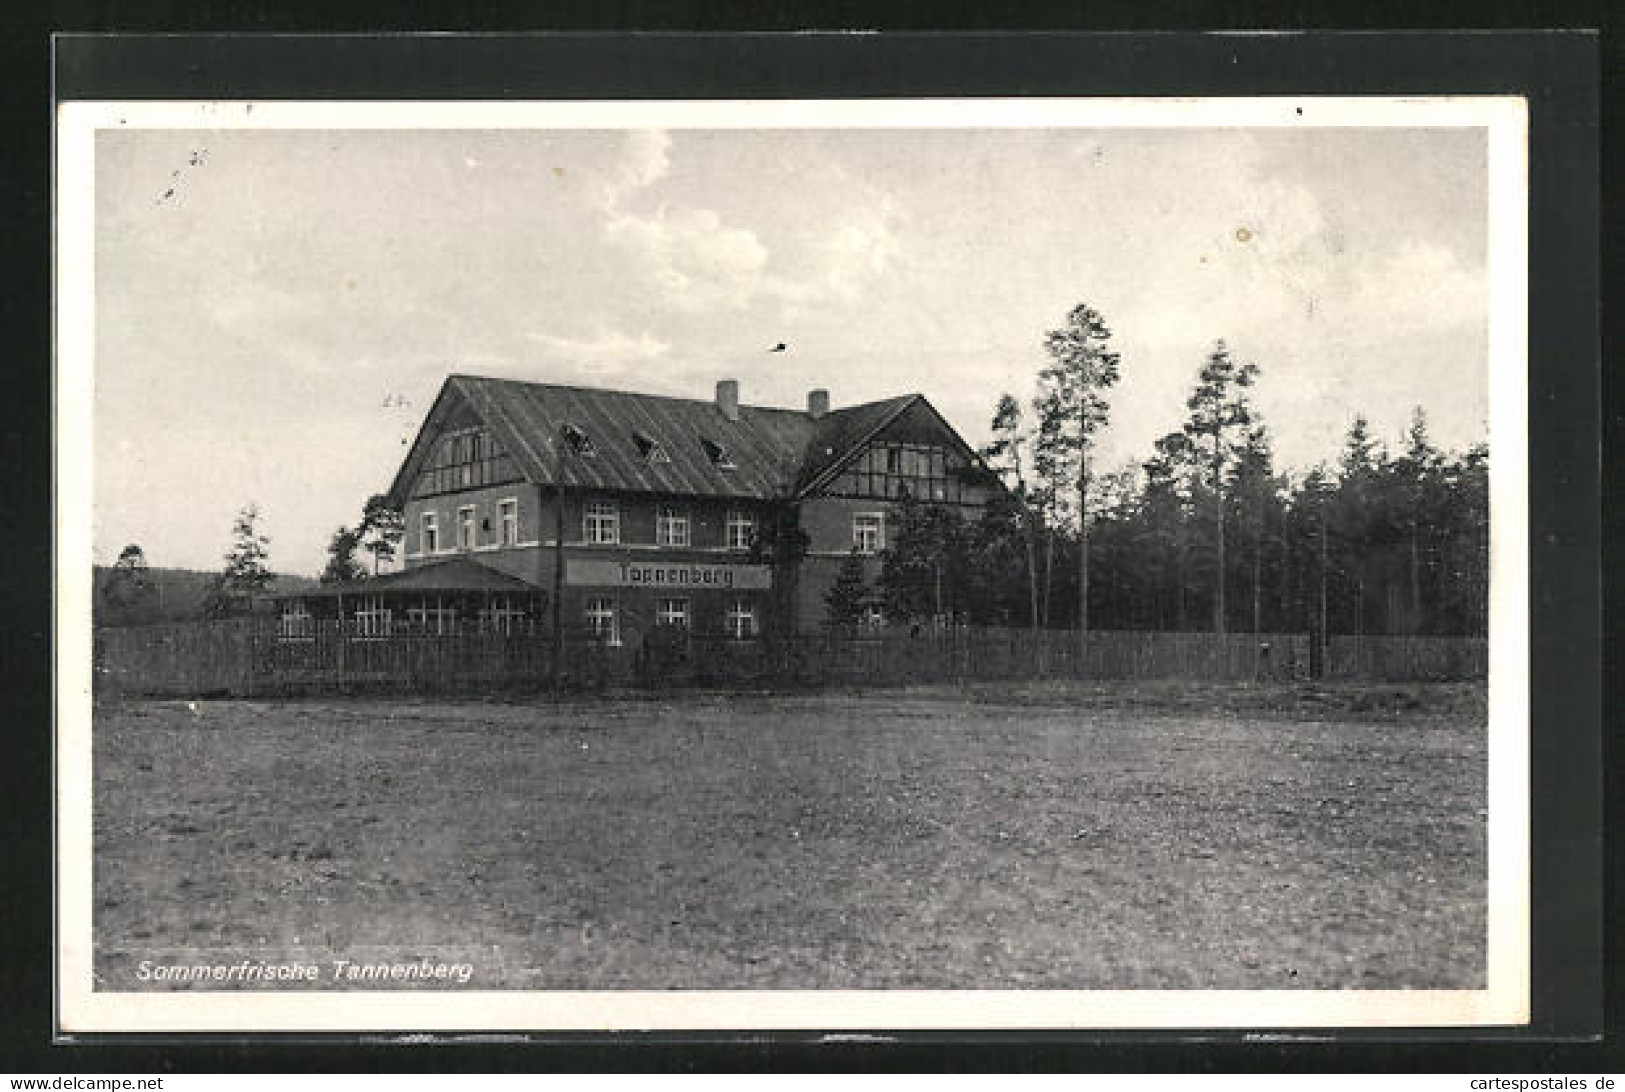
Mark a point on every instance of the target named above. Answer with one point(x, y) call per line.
point(248, 657)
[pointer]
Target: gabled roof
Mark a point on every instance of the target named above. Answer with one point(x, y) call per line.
point(770, 453)
point(454, 575)
point(840, 433)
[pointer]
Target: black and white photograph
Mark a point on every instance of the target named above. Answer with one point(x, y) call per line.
point(914, 564)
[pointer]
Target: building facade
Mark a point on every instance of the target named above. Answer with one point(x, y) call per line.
point(710, 516)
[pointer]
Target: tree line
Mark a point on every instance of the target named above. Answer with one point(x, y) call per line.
point(1206, 533)
point(131, 594)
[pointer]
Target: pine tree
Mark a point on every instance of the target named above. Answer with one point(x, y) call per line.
point(846, 599)
point(1168, 498)
point(128, 594)
point(342, 566)
point(246, 573)
point(381, 529)
point(1218, 409)
point(1420, 467)
point(923, 568)
point(1356, 486)
point(1004, 453)
point(1254, 493)
point(1072, 410)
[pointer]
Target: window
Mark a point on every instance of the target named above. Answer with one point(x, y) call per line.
point(672, 612)
point(372, 618)
point(873, 617)
point(868, 532)
point(431, 533)
point(502, 615)
point(923, 471)
point(650, 448)
point(509, 511)
point(718, 455)
point(579, 442)
point(603, 621)
point(603, 523)
point(435, 619)
point(296, 621)
point(741, 530)
point(462, 459)
point(465, 528)
point(671, 526)
point(741, 621)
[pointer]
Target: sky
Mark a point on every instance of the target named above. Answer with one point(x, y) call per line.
point(276, 309)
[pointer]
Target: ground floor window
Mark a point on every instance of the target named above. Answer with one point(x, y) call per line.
point(741, 619)
point(296, 621)
point(435, 619)
point(603, 620)
point(873, 617)
point(672, 612)
point(502, 617)
point(372, 617)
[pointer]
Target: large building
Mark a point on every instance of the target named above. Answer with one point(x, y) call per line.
point(716, 516)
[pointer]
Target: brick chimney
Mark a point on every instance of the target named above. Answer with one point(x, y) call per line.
point(728, 398)
point(817, 403)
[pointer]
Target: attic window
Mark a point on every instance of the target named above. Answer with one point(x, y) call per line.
point(650, 449)
point(718, 454)
point(580, 443)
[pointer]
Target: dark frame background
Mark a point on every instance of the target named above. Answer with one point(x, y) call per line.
point(1556, 72)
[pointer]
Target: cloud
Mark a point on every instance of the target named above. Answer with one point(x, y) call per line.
point(695, 260)
point(1420, 286)
point(607, 352)
point(839, 265)
point(647, 159)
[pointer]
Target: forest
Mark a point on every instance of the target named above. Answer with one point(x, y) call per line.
point(1206, 532)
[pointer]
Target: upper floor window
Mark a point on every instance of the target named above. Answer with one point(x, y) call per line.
point(926, 472)
point(650, 448)
point(431, 532)
point(509, 512)
point(741, 530)
point(465, 528)
point(579, 442)
point(671, 526)
point(718, 455)
point(603, 523)
point(868, 532)
point(464, 459)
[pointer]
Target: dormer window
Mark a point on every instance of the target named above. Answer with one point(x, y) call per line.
point(650, 448)
point(579, 442)
point(717, 454)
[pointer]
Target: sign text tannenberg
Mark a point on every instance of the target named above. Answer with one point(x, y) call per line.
point(593, 572)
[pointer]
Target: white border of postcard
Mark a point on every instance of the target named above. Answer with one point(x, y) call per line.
point(1505, 1000)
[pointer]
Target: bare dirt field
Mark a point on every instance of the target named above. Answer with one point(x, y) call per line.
point(1037, 836)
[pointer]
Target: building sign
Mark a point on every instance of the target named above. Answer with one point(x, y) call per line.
point(601, 573)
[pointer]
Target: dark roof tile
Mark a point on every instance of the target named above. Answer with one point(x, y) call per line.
point(772, 453)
